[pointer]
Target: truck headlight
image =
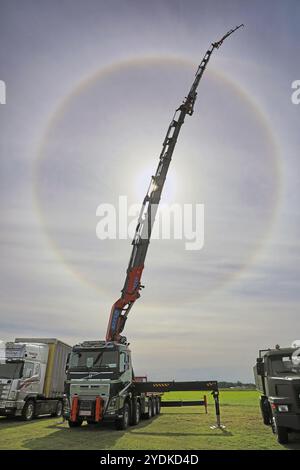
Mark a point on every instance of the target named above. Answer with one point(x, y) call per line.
point(283, 408)
point(112, 403)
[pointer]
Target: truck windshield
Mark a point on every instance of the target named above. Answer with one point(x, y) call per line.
point(94, 359)
point(11, 370)
point(285, 365)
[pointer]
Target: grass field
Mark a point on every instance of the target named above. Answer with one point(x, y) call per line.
point(176, 428)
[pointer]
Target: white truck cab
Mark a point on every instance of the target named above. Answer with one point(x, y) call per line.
point(28, 377)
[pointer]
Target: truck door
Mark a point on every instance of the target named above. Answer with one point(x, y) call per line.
point(31, 378)
point(124, 367)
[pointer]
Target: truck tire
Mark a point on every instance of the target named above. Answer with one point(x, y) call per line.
point(265, 410)
point(280, 431)
point(28, 411)
point(122, 423)
point(136, 413)
point(59, 409)
point(282, 435)
point(154, 406)
point(148, 415)
point(158, 405)
point(75, 424)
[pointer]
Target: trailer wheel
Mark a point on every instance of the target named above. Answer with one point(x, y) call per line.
point(75, 424)
point(136, 413)
point(122, 423)
point(28, 410)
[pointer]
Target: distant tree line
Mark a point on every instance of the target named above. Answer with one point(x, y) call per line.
point(237, 384)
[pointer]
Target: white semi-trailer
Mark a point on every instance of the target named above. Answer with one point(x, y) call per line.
point(32, 375)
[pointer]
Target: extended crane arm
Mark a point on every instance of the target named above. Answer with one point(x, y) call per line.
point(141, 240)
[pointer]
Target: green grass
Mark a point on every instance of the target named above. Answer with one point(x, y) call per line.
point(176, 428)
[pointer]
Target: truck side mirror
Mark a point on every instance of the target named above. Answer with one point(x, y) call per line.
point(260, 367)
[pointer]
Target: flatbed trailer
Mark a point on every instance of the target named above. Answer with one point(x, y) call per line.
point(192, 386)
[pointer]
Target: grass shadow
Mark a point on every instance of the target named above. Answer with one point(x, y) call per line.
point(180, 434)
point(101, 436)
point(85, 437)
point(12, 422)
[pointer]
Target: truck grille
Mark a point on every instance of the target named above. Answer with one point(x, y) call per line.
point(91, 389)
point(85, 405)
point(4, 389)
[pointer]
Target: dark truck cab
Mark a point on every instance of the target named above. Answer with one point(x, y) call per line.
point(277, 378)
point(101, 386)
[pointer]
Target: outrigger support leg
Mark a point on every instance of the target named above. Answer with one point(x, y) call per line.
point(218, 425)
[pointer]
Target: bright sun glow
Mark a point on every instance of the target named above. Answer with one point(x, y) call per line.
point(142, 184)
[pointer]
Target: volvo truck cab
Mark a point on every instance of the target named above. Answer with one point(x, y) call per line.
point(100, 386)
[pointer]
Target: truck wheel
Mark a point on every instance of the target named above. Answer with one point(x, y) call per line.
point(136, 413)
point(265, 410)
point(59, 409)
point(281, 432)
point(75, 424)
point(158, 406)
point(122, 423)
point(28, 410)
point(154, 408)
point(148, 415)
point(282, 435)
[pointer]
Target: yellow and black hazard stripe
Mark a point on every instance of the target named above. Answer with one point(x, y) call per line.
point(161, 385)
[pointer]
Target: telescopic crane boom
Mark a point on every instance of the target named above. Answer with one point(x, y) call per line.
point(141, 240)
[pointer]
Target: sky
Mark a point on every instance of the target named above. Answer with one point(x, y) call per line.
point(91, 87)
